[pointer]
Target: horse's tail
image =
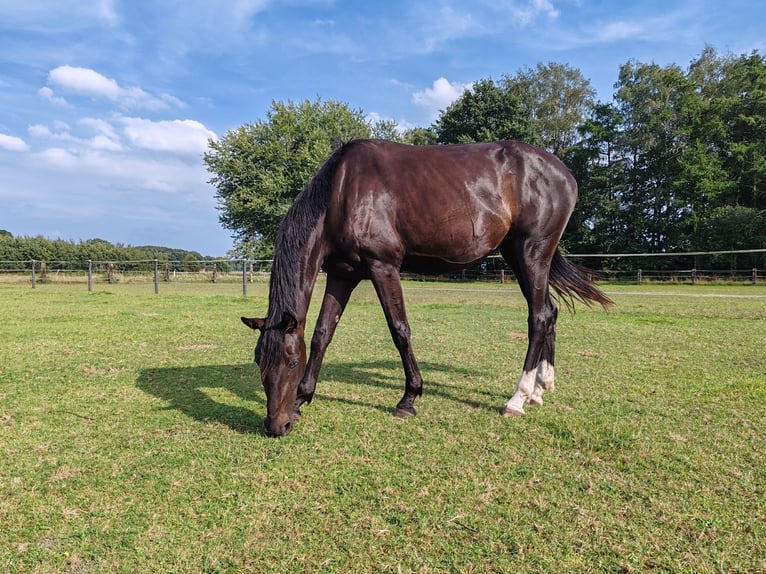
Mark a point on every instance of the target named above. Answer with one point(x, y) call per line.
point(571, 281)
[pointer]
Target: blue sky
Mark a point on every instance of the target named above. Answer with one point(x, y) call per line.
point(106, 106)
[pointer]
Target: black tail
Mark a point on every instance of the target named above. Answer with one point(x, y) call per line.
point(572, 282)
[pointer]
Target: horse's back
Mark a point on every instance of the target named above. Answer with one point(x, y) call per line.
point(441, 206)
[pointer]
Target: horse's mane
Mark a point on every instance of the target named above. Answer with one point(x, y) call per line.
point(294, 233)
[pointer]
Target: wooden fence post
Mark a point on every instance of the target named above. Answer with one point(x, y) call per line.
point(156, 277)
point(90, 275)
point(244, 277)
point(34, 277)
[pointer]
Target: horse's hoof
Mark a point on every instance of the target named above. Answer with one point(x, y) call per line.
point(507, 411)
point(535, 401)
point(404, 412)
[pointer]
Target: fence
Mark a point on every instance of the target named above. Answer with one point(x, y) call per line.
point(693, 268)
point(152, 271)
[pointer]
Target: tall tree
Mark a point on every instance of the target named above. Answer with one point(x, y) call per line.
point(650, 100)
point(485, 112)
point(598, 166)
point(557, 98)
point(744, 112)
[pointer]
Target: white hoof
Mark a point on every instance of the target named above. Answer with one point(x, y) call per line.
point(507, 411)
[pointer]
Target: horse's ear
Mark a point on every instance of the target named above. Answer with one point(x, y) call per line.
point(253, 323)
point(289, 322)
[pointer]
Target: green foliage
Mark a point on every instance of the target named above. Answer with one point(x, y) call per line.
point(677, 149)
point(420, 136)
point(733, 227)
point(73, 255)
point(557, 98)
point(485, 112)
point(191, 264)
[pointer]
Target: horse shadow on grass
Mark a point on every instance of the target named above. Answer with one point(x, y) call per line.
point(189, 390)
point(388, 376)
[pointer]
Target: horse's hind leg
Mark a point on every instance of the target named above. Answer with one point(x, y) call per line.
point(387, 284)
point(531, 262)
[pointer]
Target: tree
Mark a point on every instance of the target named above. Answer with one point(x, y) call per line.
point(598, 166)
point(557, 98)
point(259, 168)
point(485, 112)
point(744, 113)
point(191, 263)
point(652, 101)
point(420, 136)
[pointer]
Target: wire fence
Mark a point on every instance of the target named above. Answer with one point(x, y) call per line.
point(742, 267)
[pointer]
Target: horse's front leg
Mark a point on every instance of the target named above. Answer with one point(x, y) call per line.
point(336, 296)
point(388, 286)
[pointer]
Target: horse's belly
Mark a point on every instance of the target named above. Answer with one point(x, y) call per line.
point(430, 265)
point(455, 243)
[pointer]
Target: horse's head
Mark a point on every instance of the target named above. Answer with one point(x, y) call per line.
point(281, 356)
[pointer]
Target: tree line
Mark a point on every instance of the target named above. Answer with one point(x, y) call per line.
point(74, 255)
point(675, 162)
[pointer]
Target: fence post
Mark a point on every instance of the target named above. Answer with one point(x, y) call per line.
point(34, 277)
point(755, 275)
point(244, 277)
point(640, 277)
point(502, 276)
point(90, 275)
point(156, 277)
point(694, 276)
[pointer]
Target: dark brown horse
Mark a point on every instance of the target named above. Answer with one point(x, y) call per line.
point(377, 208)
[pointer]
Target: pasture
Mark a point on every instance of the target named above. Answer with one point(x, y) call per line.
point(130, 437)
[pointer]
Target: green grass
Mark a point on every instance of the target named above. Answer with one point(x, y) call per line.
point(130, 437)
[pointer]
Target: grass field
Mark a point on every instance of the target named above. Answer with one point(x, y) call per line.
point(130, 437)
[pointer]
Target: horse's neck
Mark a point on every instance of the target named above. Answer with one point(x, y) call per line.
point(296, 276)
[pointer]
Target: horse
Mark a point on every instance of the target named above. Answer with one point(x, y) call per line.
point(376, 209)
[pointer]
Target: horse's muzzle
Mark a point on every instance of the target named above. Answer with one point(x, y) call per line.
point(277, 430)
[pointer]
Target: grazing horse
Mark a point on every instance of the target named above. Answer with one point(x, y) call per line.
point(377, 208)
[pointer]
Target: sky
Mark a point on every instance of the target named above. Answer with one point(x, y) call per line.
point(107, 106)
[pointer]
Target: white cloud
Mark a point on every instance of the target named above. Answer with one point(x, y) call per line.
point(39, 131)
point(47, 94)
point(102, 142)
point(106, 11)
point(617, 31)
point(87, 82)
point(528, 12)
point(450, 25)
point(176, 136)
point(100, 127)
point(12, 143)
point(58, 157)
point(439, 96)
point(84, 81)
